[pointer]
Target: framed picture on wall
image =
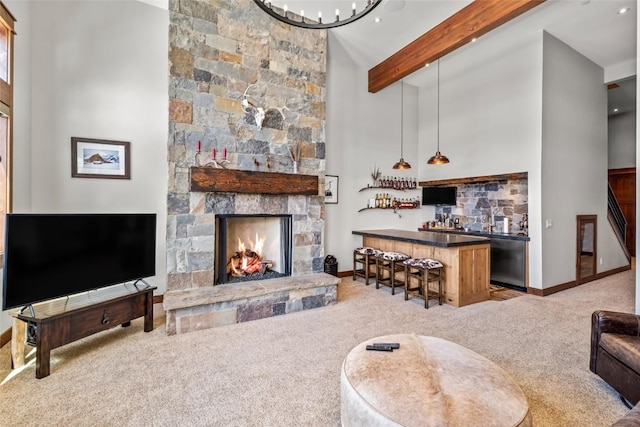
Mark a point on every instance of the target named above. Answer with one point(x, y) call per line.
point(331, 189)
point(100, 158)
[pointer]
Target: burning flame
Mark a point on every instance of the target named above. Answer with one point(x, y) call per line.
point(255, 248)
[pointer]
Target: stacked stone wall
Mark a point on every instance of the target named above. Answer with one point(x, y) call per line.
point(479, 204)
point(218, 49)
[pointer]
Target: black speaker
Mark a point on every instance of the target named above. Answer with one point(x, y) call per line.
point(32, 332)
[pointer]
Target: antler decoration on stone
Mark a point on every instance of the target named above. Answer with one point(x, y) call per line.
point(258, 113)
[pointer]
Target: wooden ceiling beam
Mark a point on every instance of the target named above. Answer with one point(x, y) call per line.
point(472, 21)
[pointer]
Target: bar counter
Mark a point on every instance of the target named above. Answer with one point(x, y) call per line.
point(466, 259)
point(493, 235)
point(430, 238)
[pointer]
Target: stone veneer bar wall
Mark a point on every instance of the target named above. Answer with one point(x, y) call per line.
point(476, 202)
point(217, 48)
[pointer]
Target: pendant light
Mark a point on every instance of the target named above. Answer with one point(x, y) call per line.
point(438, 159)
point(401, 164)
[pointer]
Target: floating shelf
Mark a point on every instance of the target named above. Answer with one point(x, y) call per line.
point(387, 209)
point(386, 188)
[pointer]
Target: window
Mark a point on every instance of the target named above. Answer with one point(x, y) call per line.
point(7, 22)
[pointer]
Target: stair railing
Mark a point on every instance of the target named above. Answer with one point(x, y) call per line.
point(616, 214)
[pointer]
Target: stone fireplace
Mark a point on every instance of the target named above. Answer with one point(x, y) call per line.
point(223, 164)
point(199, 304)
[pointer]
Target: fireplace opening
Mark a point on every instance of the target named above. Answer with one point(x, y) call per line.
point(252, 247)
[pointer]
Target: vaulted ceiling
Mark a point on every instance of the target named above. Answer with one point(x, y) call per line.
point(592, 27)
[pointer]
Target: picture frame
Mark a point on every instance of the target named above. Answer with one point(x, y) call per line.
point(331, 189)
point(100, 158)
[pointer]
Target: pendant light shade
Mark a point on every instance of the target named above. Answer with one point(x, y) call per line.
point(438, 158)
point(401, 164)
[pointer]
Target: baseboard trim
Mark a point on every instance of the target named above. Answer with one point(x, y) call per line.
point(158, 299)
point(612, 272)
point(572, 284)
point(553, 289)
point(345, 273)
point(5, 337)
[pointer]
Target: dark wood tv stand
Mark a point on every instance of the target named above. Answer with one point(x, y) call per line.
point(62, 321)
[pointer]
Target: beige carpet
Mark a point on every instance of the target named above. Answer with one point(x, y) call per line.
point(284, 371)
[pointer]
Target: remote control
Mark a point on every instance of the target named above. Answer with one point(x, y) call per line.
point(377, 347)
point(393, 345)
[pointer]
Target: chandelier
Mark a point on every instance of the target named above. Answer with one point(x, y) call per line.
point(300, 20)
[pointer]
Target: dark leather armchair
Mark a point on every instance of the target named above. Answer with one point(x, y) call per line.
point(615, 351)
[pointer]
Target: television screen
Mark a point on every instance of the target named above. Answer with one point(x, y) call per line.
point(53, 255)
point(438, 195)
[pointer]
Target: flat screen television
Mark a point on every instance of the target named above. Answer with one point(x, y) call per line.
point(438, 195)
point(49, 256)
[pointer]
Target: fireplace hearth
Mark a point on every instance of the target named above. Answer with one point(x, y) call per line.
point(252, 247)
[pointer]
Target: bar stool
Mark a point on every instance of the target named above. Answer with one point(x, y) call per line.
point(390, 262)
point(366, 257)
point(425, 270)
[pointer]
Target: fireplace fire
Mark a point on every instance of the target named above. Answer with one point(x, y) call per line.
point(252, 247)
point(248, 261)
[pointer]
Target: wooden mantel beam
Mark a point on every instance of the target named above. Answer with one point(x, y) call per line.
point(472, 21)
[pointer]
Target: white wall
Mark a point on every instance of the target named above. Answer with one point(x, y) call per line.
point(574, 160)
point(22, 105)
point(490, 119)
point(94, 70)
point(363, 131)
point(622, 141)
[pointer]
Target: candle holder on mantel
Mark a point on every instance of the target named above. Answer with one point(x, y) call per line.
point(220, 164)
point(198, 155)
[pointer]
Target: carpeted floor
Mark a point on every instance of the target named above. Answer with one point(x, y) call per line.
point(284, 371)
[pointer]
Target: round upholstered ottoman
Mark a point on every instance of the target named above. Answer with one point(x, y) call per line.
point(428, 381)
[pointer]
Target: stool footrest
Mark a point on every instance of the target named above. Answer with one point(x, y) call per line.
point(424, 271)
point(364, 261)
point(390, 263)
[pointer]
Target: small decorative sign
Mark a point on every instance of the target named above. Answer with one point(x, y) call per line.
point(98, 158)
point(331, 189)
